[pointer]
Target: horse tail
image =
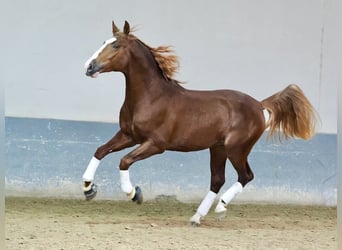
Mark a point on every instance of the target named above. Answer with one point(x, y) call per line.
point(290, 113)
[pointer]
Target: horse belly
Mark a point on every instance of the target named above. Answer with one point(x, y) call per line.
point(198, 135)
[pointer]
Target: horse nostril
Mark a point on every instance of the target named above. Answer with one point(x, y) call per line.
point(93, 69)
point(91, 66)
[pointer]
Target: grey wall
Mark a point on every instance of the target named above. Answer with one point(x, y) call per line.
point(254, 46)
point(46, 157)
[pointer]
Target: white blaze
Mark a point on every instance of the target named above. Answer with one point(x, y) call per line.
point(96, 54)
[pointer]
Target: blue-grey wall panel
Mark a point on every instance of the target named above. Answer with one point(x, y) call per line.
point(48, 157)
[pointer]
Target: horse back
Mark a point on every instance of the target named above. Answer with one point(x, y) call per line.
point(199, 119)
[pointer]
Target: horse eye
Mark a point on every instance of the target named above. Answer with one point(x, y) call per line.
point(115, 45)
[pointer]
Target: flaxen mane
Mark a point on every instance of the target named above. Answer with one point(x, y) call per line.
point(165, 58)
point(167, 61)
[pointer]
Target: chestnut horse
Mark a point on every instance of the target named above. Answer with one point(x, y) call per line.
point(158, 114)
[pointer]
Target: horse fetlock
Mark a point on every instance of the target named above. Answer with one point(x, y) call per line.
point(89, 174)
point(126, 185)
point(90, 191)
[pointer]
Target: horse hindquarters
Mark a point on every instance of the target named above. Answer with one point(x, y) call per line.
point(237, 153)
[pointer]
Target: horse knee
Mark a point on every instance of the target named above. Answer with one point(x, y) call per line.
point(125, 162)
point(101, 152)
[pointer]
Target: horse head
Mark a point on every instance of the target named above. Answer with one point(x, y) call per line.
point(112, 55)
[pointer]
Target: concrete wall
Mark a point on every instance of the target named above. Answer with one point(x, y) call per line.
point(253, 46)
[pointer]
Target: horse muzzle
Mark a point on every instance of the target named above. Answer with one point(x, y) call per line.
point(93, 69)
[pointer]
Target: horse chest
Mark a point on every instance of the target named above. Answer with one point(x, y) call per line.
point(140, 122)
point(137, 128)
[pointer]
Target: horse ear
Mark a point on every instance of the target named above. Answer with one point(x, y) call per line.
point(126, 28)
point(114, 28)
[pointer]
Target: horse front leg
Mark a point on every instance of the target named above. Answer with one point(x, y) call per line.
point(144, 151)
point(118, 142)
point(218, 158)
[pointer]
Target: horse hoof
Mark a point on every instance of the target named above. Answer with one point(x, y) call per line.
point(220, 208)
point(138, 197)
point(194, 224)
point(195, 220)
point(220, 211)
point(90, 192)
point(220, 216)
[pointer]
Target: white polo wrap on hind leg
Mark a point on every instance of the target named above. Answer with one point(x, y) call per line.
point(228, 196)
point(206, 204)
point(126, 185)
point(231, 192)
point(91, 169)
point(203, 208)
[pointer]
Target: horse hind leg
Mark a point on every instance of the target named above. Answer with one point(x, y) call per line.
point(245, 175)
point(218, 160)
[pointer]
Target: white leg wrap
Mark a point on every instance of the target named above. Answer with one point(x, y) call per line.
point(228, 196)
point(91, 169)
point(203, 208)
point(126, 185)
point(231, 192)
point(206, 204)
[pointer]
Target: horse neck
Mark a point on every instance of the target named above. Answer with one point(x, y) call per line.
point(144, 78)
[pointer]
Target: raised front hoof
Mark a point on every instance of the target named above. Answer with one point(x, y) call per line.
point(90, 191)
point(138, 197)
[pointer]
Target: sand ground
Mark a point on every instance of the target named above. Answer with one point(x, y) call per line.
point(47, 223)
